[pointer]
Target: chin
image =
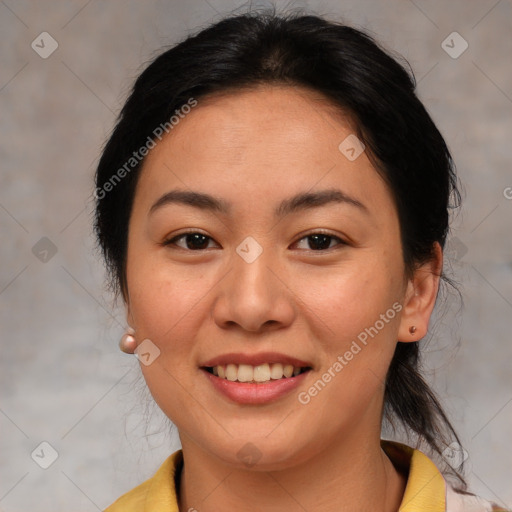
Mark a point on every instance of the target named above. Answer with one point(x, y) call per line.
point(256, 453)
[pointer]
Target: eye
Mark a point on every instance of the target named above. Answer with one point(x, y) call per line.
point(319, 241)
point(197, 241)
point(194, 241)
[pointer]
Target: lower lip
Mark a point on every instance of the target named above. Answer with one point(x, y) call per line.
point(245, 393)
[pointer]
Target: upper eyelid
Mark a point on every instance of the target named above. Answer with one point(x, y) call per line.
point(341, 240)
point(172, 239)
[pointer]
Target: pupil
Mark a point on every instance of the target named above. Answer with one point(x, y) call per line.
point(322, 238)
point(198, 240)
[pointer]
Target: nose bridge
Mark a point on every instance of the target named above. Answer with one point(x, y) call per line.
point(252, 295)
point(251, 269)
point(252, 264)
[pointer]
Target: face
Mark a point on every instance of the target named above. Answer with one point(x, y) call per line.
point(319, 280)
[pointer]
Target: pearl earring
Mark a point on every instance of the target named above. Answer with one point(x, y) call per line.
point(412, 329)
point(128, 344)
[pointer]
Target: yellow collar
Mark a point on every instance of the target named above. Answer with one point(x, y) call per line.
point(425, 490)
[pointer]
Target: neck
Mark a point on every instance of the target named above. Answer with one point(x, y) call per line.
point(352, 475)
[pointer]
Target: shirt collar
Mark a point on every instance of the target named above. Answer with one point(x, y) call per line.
point(425, 489)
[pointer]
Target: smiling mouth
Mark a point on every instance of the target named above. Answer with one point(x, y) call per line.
point(259, 374)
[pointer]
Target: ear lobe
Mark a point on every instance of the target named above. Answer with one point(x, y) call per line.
point(420, 298)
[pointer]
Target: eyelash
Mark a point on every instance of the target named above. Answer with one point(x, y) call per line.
point(171, 241)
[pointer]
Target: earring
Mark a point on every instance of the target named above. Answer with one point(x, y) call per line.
point(128, 344)
point(412, 329)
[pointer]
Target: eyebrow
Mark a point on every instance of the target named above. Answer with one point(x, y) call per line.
point(298, 202)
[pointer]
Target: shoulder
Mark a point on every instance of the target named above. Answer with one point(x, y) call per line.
point(132, 500)
point(466, 502)
point(156, 494)
point(427, 488)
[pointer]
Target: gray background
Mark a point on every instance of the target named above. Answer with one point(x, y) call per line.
point(63, 379)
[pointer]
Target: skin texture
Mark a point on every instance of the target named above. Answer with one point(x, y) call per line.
point(255, 148)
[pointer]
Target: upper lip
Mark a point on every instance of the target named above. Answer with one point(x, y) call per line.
point(256, 359)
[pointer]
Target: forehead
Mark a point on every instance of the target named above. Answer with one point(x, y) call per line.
point(260, 142)
point(257, 114)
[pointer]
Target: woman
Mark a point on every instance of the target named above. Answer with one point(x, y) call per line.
point(273, 206)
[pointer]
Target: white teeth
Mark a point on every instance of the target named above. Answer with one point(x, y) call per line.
point(261, 373)
point(276, 371)
point(245, 373)
point(288, 370)
point(231, 372)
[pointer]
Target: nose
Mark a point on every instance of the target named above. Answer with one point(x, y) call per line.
point(254, 296)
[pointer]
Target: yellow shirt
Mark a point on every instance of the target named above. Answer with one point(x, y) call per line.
point(426, 489)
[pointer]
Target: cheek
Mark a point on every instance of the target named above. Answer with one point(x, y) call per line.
point(167, 310)
point(165, 304)
point(356, 317)
point(348, 300)
point(170, 304)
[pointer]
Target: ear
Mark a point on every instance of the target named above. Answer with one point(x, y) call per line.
point(129, 318)
point(420, 298)
point(126, 302)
